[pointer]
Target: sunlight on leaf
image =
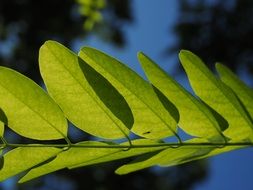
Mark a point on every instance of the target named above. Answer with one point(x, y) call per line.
point(151, 119)
point(1, 128)
point(105, 98)
point(1, 135)
point(69, 87)
point(123, 153)
point(244, 93)
point(195, 118)
point(165, 158)
point(24, 158)
point(29, 110)
point(217, 95)
point(87, 156)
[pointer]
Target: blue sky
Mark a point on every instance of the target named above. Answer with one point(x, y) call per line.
point(152, 33)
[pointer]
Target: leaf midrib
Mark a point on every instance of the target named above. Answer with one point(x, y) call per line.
point(217, 85)
point(191, 98)
point(30, 108)
point(79, 83)
point(134, 94)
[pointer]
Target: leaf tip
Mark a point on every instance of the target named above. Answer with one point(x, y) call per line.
point(220, 66)
point(49, 42)
point(143, 58)
point(222, 69)
point(141, 55)
point(120, 171)
point(185, 53)
point(21, 181)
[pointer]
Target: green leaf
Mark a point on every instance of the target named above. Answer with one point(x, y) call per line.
point(105, 98)
point(244, 93)
point(195, 118)
point(29, 110)
point(1, 135)
point(100, 111)
point(72, 156)
point(123, 153)
point(217, 95)
point(167, 157)
point(1, 128)
point(23, 158)
point(151, 119)
point(87, 156)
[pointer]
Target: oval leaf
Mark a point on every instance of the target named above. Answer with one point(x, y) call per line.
point(1, 135)
point(218, 96)
point(79, 157)
point(244, 93)
point(123, 153)
point(151, 119)
point(72, 89)
point(165, 158)
point(29, 110)
point(23, 158)
point(195, 118)
point(1, 128)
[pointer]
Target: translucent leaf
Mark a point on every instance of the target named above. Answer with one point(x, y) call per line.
point(29, 110)
point(244, 93)
point(167, 157)
point(217, 95)
point(151, 118)
point(195, 118)
point(1, 128)
point(217, 150)
point(88, 100)
point(123, 153)
point(23, 158)
point(1, 135)
point(3, 120)
point(86, 156)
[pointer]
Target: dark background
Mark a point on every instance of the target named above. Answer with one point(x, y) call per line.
point(218, 30)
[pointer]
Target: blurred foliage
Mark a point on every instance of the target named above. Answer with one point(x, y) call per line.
point(26, 24)
point(91, 9)
point(219, 30)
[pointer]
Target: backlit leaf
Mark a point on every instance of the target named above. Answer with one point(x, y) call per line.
point(151, 119)
point(167, 157)
point(29, 110)
point(244, 93)
point(1, 135)
point(1, 128)
point(88, 156)
point(92, 110)
point(23, 158)
point(105, 98)
point(195, 118)
point(124, 153)
point(217, 95)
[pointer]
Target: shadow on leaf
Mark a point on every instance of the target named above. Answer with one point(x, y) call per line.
point(108, 94)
